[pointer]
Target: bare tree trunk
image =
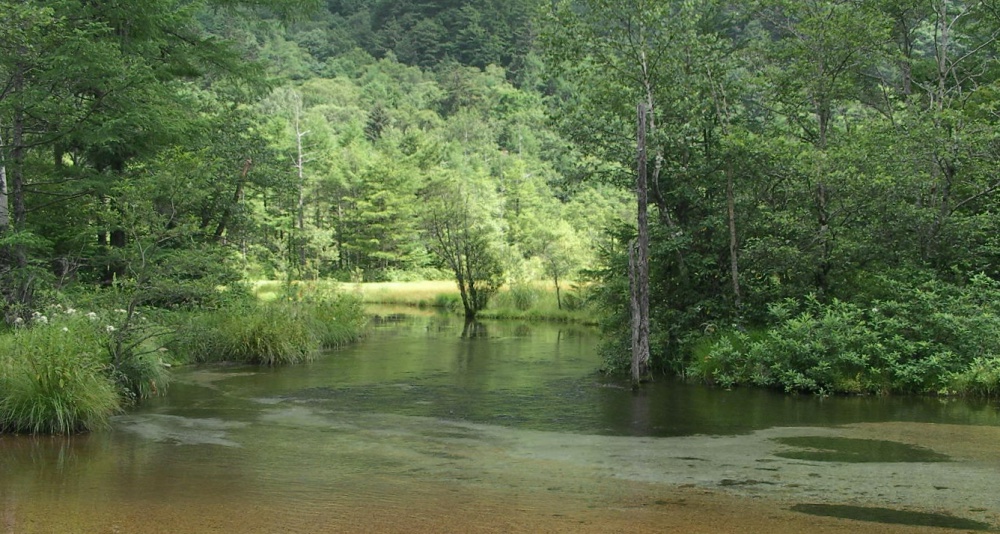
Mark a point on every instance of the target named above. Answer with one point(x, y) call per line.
point(300, 205)
point(639, 262)
point(4, 202)
point(17, 170)
point(558, 295)
point(734, 264)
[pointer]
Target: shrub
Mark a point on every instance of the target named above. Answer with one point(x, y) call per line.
point(981, 377)
point(140, 375)
point(922, 338)
point(333, 319)
point(521, 296)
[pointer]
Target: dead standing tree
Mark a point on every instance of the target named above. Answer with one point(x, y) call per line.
point(639, 261)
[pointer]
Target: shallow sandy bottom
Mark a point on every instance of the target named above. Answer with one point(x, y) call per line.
point(633, 508)
point(524, 481)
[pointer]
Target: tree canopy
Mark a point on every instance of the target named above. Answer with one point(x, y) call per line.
point(813, 164)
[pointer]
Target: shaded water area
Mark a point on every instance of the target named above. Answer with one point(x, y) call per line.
point(427, 426)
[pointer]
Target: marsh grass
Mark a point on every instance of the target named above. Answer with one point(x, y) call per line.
point(427, 293)
point(335, 322)
point(267, 334)
point(534, 301)
point(54, 380)
point(69, 371)
point(141, 375)
point(537, 302)
point(284, 330)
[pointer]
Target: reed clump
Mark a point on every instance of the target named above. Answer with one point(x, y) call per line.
point(285, 330)
point(55, 380)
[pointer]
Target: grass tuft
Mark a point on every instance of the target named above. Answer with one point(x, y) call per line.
point(284, 330)
point(53, 381)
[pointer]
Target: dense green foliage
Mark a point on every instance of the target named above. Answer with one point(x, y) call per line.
point(921, 338)
point(421, 33)
point(172, 176)
point(811, 162)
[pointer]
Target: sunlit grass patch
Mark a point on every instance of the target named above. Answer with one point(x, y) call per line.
point(526, 301)
point(421, 293)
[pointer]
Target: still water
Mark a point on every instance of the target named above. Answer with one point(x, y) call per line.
point(431, 426)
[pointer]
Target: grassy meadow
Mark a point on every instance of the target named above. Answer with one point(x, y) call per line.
point(535, 301)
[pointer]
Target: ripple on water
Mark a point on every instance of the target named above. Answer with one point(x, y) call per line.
point(180, 430)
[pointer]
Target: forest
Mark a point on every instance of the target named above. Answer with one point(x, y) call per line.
point(822, 177)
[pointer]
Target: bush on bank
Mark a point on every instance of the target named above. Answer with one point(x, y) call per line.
point(932, 337)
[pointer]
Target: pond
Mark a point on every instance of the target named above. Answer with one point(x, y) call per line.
point(431, 426)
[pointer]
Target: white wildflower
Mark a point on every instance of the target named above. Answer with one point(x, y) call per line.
point(64, 329)
point(92, 316)
point(110, 328)
point(119, 310)
point(35, 315)
point(42, 319)
point(18, 321)
point(70, 311)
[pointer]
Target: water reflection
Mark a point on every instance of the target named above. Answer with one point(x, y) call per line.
point(475, 329)
point(543, 377)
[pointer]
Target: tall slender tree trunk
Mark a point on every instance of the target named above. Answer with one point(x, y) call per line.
point(4, 202)
point(16, 172)
point(300, 166)
point(558, 295)
point(639, 261)
point(734, 263)
point(17, 290)
point(722, 111)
